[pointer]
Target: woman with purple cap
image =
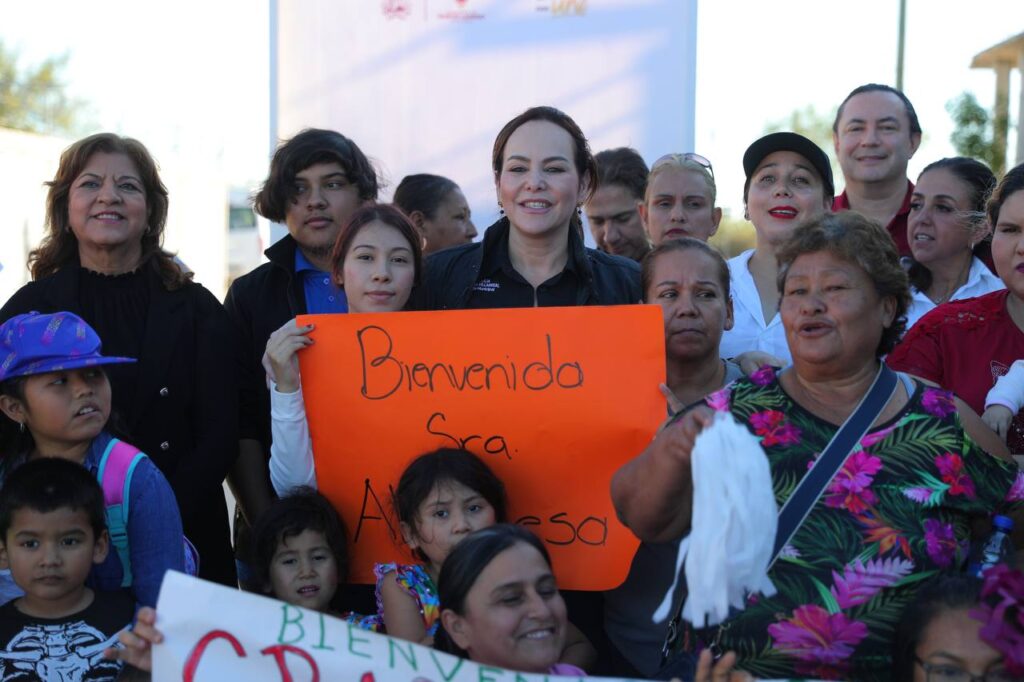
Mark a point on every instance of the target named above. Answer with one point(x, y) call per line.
point(789, 184)
point(54, 387)
point(102, 258)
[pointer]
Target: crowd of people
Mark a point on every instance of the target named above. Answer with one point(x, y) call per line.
point(130, 395)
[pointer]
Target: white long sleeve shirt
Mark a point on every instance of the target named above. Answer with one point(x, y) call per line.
point(291, 450)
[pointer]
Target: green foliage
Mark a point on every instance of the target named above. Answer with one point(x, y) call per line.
point(809, 122)
point(734, 236)
point(33, 98)
point(974, 133)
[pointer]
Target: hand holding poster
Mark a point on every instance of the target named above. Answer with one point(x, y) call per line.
point(553, 399)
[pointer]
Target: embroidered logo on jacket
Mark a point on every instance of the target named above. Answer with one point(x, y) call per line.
point(487, 285)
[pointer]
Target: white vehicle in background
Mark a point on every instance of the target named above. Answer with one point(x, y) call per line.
point(245, 248)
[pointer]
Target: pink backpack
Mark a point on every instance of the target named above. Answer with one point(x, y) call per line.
point(115, 476)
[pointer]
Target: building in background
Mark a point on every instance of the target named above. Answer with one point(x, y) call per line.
point(423, 86)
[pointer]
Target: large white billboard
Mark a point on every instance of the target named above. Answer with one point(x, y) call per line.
point(423, 86)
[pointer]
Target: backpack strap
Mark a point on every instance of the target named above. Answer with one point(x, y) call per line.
point(115, 476)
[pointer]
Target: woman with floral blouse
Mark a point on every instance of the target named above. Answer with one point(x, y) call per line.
point(898, 511)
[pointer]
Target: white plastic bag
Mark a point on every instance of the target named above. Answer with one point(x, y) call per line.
point(733, 524)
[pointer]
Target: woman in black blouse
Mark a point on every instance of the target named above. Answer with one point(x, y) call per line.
point(102, 259)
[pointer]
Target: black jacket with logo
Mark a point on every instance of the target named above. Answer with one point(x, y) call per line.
point(453, 277)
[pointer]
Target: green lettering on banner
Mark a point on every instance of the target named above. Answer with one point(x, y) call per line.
point(321, 645)
point(520, 678)
point(488, 674)
point(409, 655)
point(447, 676)
point(285, 622)
point(352, 639)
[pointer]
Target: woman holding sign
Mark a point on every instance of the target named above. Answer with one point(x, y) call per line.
point(534, 255)
point(899, 501)
point(377, 258)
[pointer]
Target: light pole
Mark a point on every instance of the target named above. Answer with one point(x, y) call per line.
point(900, 40)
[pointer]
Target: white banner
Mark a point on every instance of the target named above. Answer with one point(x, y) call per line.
point(215, 634)
point(423, 86)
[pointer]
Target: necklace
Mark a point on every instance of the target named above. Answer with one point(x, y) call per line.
point(961, 279)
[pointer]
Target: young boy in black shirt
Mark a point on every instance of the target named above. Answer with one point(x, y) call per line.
point(52, 532)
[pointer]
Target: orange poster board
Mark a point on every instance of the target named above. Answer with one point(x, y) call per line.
point(553, 399)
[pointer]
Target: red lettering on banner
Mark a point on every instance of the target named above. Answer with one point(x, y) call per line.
point(279, 650)
point(192, 662)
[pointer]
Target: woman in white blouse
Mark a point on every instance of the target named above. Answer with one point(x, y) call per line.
point(789, 184)
point(945, 229)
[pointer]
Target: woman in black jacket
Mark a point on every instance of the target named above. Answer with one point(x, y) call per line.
point(534, 255)
point(102, 259)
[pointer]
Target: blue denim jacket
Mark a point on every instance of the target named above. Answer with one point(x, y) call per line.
point(154, 534)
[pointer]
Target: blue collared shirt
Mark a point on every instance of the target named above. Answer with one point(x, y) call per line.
point(322, 295)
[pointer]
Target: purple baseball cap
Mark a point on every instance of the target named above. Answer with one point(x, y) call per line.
point(34, 343)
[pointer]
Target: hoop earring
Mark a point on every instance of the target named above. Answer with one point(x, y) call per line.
point(579, 210)
point(21, 427)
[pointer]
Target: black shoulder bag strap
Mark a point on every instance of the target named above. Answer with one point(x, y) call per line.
point(813, 484)
point(832, 458)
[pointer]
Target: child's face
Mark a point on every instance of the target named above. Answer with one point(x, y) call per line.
point(304, 571)
point(514, 615)
point(449, 513)
point(63, 408)
point(50, 555)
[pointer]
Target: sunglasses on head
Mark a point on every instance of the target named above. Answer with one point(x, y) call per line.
point(688, 156)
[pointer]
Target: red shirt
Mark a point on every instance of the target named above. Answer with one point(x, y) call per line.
point(964, 346)
point(897, 227)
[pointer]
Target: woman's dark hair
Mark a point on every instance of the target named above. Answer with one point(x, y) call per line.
point(15, 442)
point(855, 239)
point(979, 181)
point(1011, 183)
point(47, 484)
point(447, 464)
point(945, 592)
point(59, 247)
point(623, 167)
point(683, 244)
point(467, 561)
point(310, 147)
point(300, 510)
point(389, 215)
point(583, 160)
point(423, 192)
